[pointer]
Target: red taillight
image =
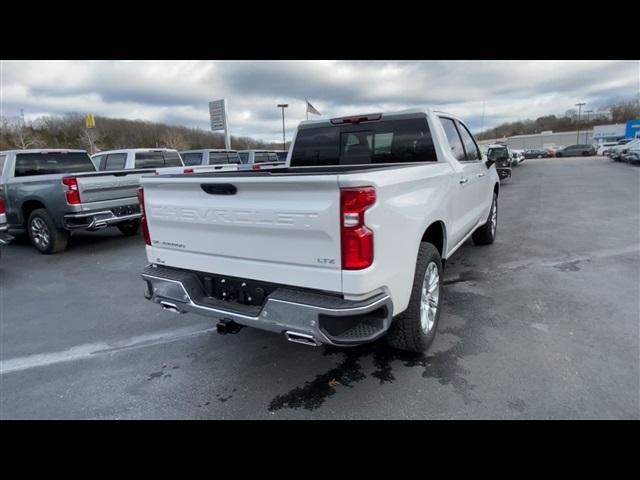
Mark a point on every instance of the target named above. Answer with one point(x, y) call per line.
point(255, 167)
point(188, 170)
point(143, 219)
point(357, 239)
point(73, 194)
point(2, 207)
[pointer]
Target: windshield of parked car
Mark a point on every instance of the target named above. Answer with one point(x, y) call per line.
point(47, 163)
point(391, 141)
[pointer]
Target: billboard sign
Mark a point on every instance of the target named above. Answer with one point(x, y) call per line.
point(218, 118)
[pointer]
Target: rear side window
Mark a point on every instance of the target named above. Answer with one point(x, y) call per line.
point(216, 158)
point(172, 159)
point(115, 161)
point(282, 156)
point(471, 149)
point(244, 157)
point(391, 141)
point(453, 137)
point(149, 160)
point(261, 157)
point(157, 159)
point(234, 157)
point(191, 159)
point(52, 162)
point(273, 157)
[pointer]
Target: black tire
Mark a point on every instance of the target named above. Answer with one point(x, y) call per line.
point(43, 233)
point(486, 234)
point(406, 332)
point(539, 156)
point(558, 155)
point(130, 228)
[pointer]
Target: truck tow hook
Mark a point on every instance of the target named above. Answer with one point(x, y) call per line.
point(228, 327)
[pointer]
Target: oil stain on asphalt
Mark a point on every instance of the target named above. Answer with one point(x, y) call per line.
point(443, 366)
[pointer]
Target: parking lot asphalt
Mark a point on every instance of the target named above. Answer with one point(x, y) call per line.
point(544, 323)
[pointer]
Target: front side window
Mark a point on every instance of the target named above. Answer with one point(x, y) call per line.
point(471, 149)
point(273, 157)
point(455, 143)
point(97, 161)
point(234, 157)
point(244, 157)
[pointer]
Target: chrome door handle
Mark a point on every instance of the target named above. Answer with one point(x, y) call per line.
point(464, 180)
point(480, 175)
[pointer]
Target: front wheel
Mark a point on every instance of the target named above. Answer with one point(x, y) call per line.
point(415, 328)
point(130, 228)
point(486, 234)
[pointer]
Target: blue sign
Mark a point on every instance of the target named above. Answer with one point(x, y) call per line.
point(633, 129)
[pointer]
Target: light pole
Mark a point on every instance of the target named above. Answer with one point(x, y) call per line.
point(588, 118)
point(579, 105)
point(283, 106)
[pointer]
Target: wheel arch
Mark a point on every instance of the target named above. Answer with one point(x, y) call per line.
point(436, 234)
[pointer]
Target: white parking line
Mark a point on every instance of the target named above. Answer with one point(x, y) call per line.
point(89, 350)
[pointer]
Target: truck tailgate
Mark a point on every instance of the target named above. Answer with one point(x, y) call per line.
point(283, 230)
point(109, 186)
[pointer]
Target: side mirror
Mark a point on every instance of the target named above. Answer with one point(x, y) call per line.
point(488, 162)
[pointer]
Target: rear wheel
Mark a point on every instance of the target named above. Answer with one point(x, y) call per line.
point(43, 233)
point(415, 328)
point(486, 234)
point(129, 228)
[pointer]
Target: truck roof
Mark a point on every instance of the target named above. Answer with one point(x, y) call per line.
point(201, 150)
point(394, 115)
point(40, 150)
point(126, 150)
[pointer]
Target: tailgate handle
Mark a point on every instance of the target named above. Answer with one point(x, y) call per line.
point(219, 188)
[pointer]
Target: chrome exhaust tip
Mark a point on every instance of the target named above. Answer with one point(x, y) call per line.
point(170, 307)
point(302, 338)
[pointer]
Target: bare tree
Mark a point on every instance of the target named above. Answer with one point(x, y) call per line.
point(21, 135)
point(89, 138)
point(172, 138)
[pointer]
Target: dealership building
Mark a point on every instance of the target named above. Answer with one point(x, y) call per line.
point(600, 134)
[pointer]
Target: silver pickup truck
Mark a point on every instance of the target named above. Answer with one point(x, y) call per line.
point(51, 193)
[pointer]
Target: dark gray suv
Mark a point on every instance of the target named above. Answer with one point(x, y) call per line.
point(576, 151)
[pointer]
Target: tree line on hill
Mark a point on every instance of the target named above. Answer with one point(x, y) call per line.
point(621, 112)
point(68, 131)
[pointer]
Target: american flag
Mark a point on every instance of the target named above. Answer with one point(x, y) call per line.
point(312, 109)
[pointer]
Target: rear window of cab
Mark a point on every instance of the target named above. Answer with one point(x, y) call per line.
point(378, 142)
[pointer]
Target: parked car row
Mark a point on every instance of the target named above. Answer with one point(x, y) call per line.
point(50, 193)
point(625, 151)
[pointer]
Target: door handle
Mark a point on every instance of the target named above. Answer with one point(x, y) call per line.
point(480, 175)
point(464, 180)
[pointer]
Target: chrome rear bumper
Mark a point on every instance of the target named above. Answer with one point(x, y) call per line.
point(96, 220)
point(304, 317)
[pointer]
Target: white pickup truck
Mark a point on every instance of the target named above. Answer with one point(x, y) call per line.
point(343, 245)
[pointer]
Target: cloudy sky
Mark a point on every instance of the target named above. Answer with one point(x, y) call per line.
point(178, 92)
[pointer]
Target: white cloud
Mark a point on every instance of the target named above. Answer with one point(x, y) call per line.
point(177, 92)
